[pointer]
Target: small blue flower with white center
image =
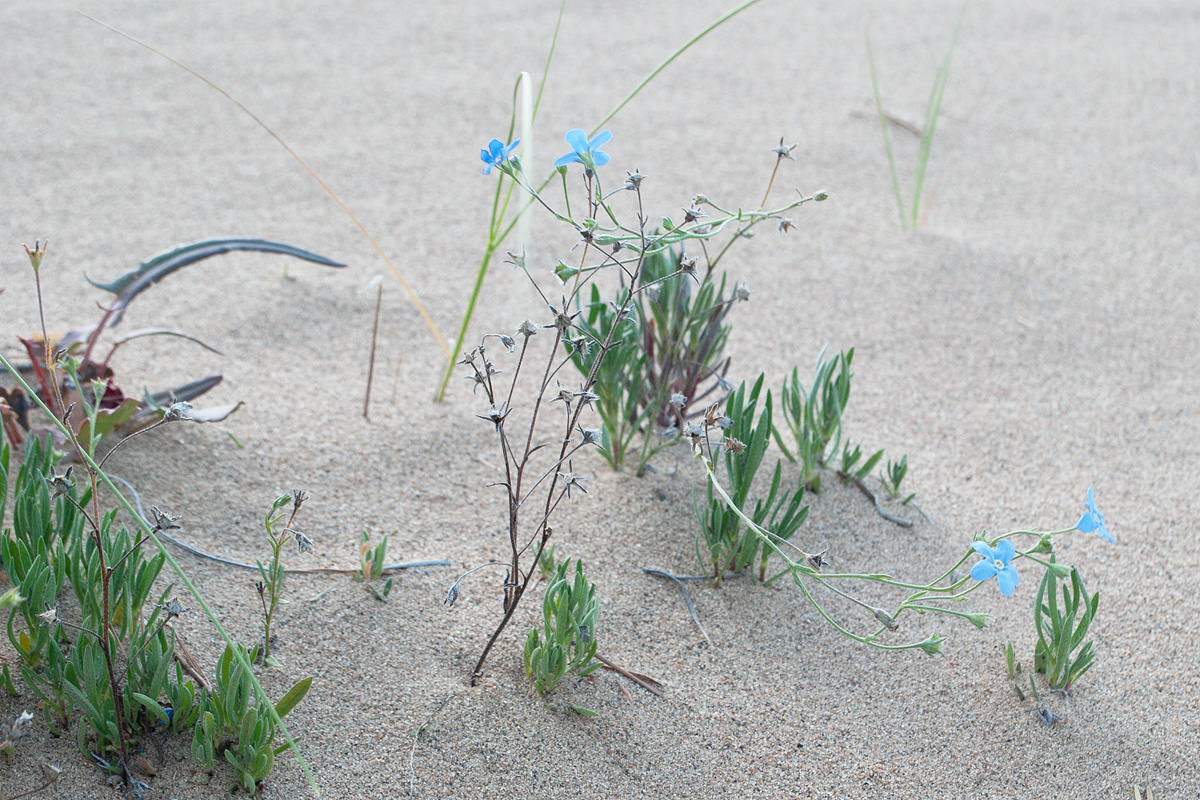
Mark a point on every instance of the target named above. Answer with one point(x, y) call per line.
point(996, 563)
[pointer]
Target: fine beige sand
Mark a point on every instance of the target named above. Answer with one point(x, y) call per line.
point(1035, 338)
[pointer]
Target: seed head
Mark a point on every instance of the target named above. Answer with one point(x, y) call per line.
point(178, 411)
point(62, 483)
point(818, 561)
point(302, 542)
point(784, 150)
point(21, 726)
point(50, 772)
point(36, 254)
point(590, 435)
point(172, 608)
point(164, 521)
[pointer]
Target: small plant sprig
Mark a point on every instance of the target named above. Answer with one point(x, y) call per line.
point(1061, 653)
point(568, 640)
point(814, 416)
point(670, 357)
point(270, 583)
point(370, 564)
point(732, 548)
point(913, 220)
point(850, 467)
point(239, 726)
point(546, 563)
point(892, 478)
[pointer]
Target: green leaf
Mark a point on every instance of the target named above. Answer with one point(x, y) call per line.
point(152, 706)
point(293, 697)
point(584, 712)
point(246, 730)
point(157, 267)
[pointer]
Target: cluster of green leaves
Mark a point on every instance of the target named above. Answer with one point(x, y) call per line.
point(672, 345)
point(814, 415)
point(370, 565)
point(238, 726)
point(1061, 653)
point(568, 641)
point(63, 662)
point(546, 563)
point(893, 477)
point(851, 468)
point(732, 547)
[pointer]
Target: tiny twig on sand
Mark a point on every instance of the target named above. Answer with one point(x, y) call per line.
point(412, 773)
point(862, 487)
point(687, 598)
point(374, 340)
point(645, 681)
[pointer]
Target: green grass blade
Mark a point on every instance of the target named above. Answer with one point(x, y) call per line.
point(932, 110)
point(721, 20)
point(887, 137)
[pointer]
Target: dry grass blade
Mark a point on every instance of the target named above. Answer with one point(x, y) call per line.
point(687, 598)
point(312, 173)
point(646, 682)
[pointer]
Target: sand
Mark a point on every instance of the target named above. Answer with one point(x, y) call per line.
point(1036, 337)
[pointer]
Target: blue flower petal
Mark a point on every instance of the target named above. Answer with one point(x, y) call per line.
point(984, 549)
point(569, 158)
point(1091, 501)
point(600, 157)
point(1005, 550)
point(602, 138)
point(1104, 534)
point(578, 140)
point(983, 570)
point(1087, 523)
point(1008, 579)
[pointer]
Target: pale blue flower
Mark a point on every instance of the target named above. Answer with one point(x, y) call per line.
point(1093, 520)
point(996, 563)
point(583, 151)
point(495, 154)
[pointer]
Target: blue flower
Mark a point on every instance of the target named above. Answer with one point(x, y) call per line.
point(1093, 520)
point(996, 563)
point(495, 154)
point(587, 153)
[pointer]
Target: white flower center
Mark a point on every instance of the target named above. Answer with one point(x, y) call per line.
point(998, 564)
